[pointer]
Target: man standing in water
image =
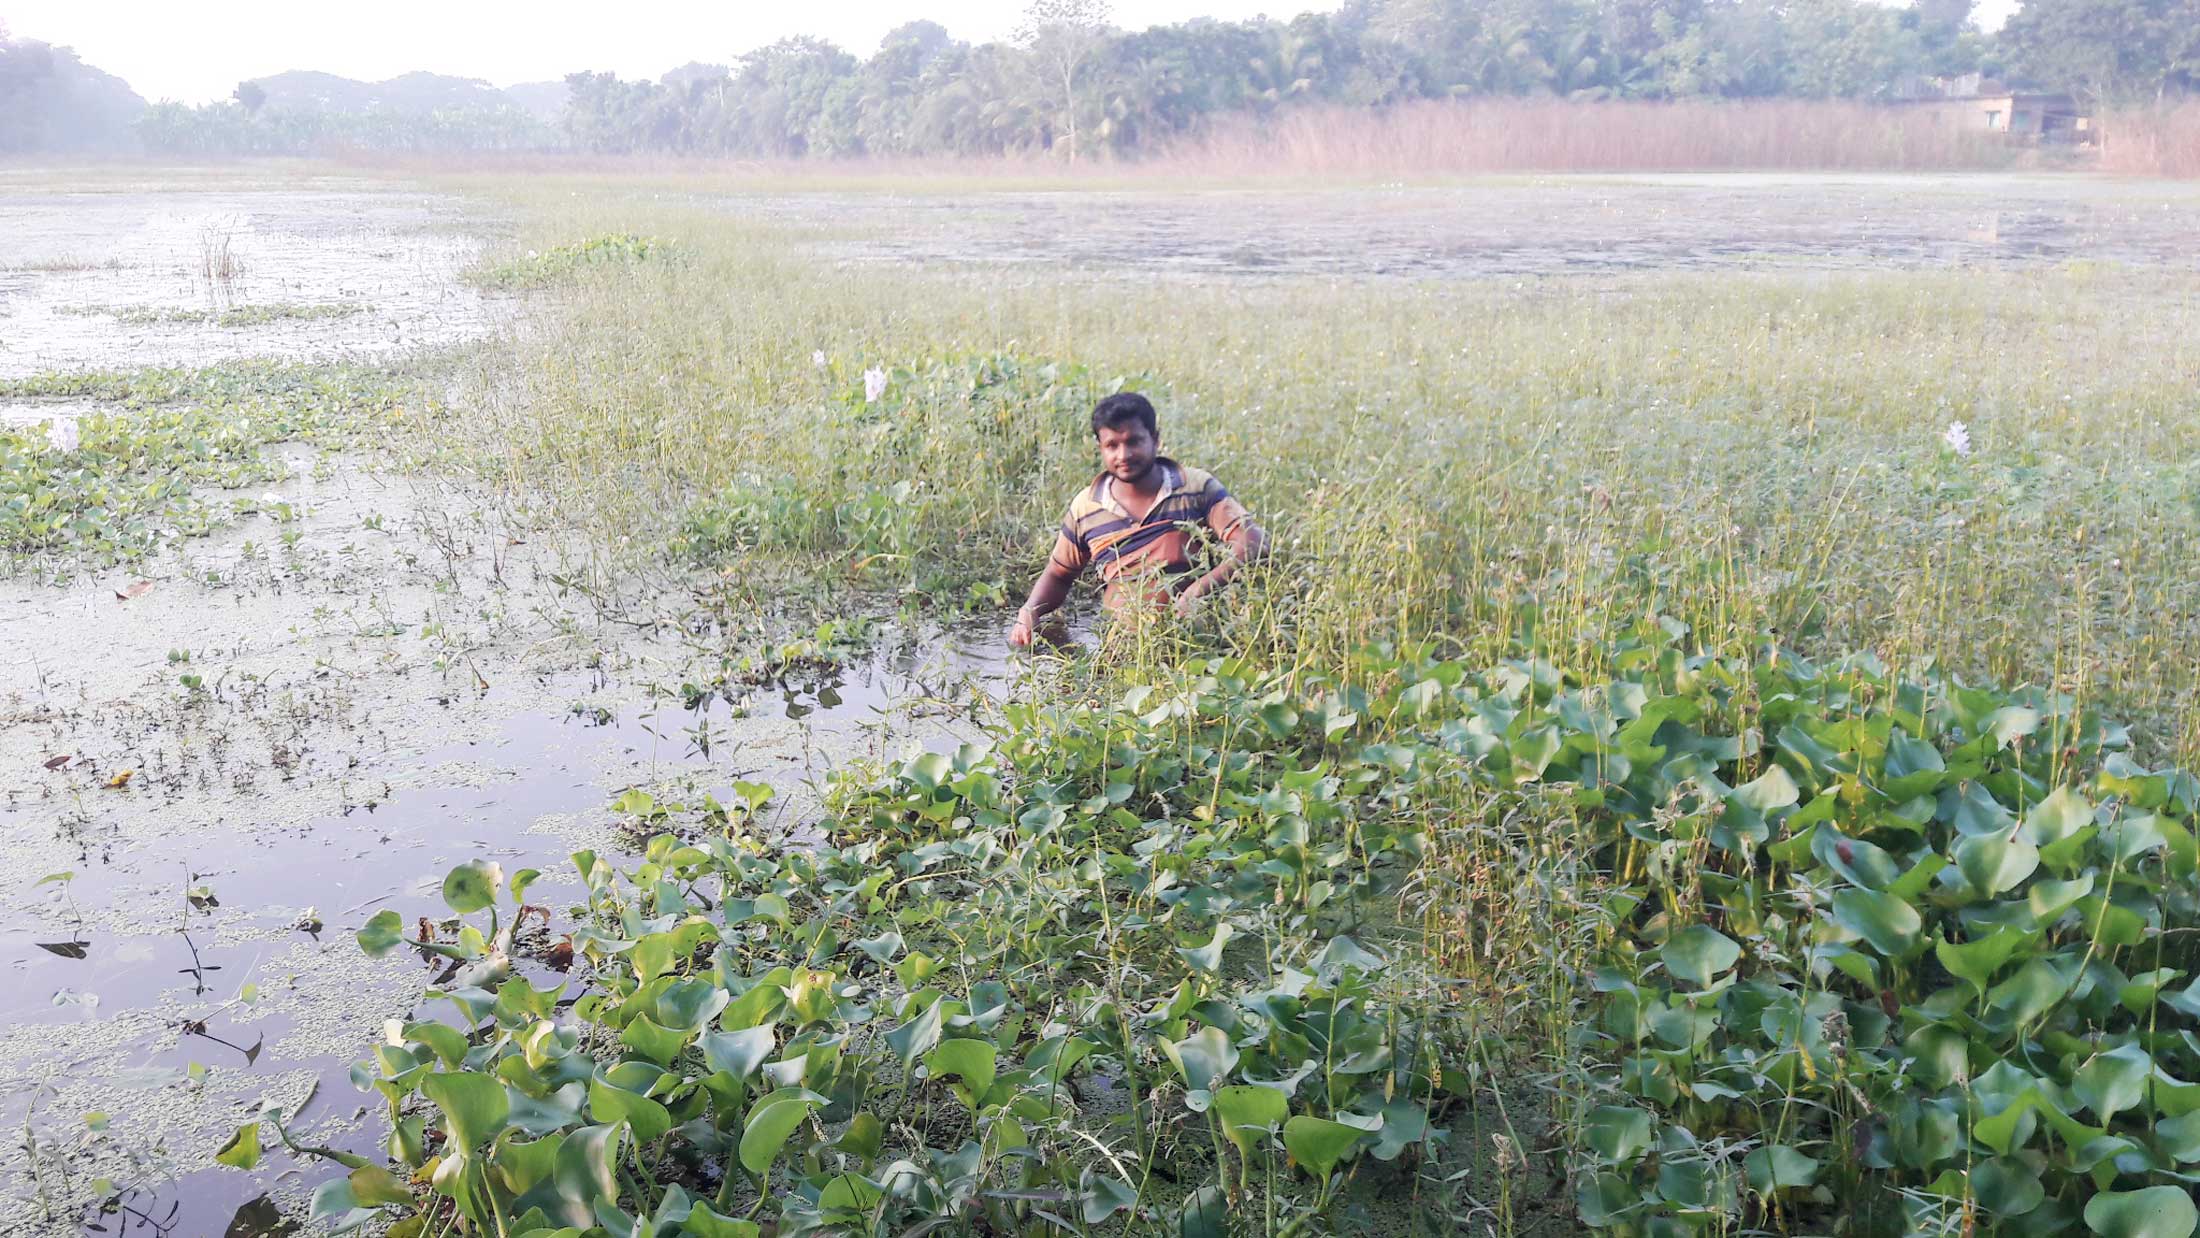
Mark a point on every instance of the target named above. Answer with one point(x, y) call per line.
point(1137, 520)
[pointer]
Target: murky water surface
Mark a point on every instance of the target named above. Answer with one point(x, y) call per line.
point(92, 281)
point(1524, 226)
point(539, 770)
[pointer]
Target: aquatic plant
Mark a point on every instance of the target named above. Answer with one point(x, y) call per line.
point(1849, 948)
point(135, 477)
point(538, 267)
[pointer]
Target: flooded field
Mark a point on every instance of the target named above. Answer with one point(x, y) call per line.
point(223, 757)
point(1524, 226)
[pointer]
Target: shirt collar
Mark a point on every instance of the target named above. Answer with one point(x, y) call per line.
point(1172, 477)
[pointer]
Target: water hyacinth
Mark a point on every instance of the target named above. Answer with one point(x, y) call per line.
point(1958, 438)
point(874, 384)
point(61, 434)
point(817, 358)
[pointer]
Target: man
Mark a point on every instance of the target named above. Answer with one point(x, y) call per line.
point(1137, 521)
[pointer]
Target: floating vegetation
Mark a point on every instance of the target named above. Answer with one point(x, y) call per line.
point(118, 485)
point(537, 267)
point(236, 316)
point(1236, 945)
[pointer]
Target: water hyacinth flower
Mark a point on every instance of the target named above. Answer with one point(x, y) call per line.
point(1958, 438)
point(817, 358)
point(874, 384)
point(61, 434)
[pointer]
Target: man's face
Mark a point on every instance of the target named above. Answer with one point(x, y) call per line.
point(1128, 454)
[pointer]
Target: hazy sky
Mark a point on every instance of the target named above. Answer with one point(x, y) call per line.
point(200, 51)
point(195, 52)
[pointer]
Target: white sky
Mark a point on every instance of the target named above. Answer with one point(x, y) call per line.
point(195, 52)
point(199, 51)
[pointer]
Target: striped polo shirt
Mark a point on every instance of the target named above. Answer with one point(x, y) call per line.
point(1099, 529)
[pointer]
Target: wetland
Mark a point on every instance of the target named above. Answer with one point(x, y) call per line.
point(498, 700)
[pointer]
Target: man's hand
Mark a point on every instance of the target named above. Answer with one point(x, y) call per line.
point(1189, 601)
point(1019, 636)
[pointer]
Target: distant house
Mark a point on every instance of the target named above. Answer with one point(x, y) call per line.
point(1982, 105)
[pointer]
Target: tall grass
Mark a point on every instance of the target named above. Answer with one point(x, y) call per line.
point(1557, 135)
point(2158, 141)
point(1489, 463)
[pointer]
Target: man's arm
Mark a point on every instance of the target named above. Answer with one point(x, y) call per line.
point(1049, 591)
point(1246, 541)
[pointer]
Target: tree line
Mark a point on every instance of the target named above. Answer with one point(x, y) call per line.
point(1071, 84)
point(1068, 83)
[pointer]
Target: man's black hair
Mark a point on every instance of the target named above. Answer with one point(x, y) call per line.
point(1118, 411)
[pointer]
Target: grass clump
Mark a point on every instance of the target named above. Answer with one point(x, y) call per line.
point(561, 262)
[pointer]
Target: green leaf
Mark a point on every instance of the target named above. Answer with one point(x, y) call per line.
point(2180, 1136)
point(2031, 992)
point(472, 886)
point(1913, 767)
point(551, 1114)
point(474, 1106)
point(2007, 1187)
point(883, 947)
point(1978, 813)
point(1205, 1214)
point(1204, 1058)
point(864, 1138)
point(916, 1037)
point(1863, 863)
point(2011, 723)
point(849, 1192)
point(1777, 1167)
point(243, 1149)
point(771, 1123)
point(2111, 923)
point(446, 1042)
point(2064, 812)
point(1104, 1195)
point(971, 1061)
point(1343, 952)
point(610, 1104)
point(519, 883)
point(1318, 1143)
point(381, 934)
point(2047, 900)
point(2114, 1080)
point(1977, 961)
point(740, 1053)
point(1617, 1134)
point(1208, 958)
point(587, 1169)
point(1993, 862)
point(659, 1044)
point(1889, 924)
point(1699, 954)
point(2155, 1212)
point(704, 1222)
point(1248, 1112)
point(929, 770)
point(374, 1186)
